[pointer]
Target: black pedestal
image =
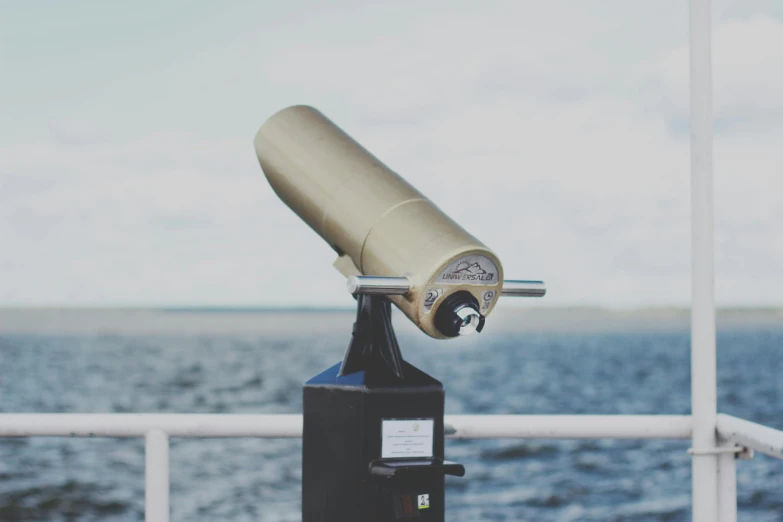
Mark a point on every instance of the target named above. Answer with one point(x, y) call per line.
point(373, 440)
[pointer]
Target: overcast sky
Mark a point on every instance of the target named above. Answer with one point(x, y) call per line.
point(556, 132)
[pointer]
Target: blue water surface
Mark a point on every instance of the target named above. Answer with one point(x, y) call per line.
point(63, 479)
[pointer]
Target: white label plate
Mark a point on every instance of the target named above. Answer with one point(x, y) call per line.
point(401, 438)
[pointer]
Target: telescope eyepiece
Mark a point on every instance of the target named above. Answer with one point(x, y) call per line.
point(470, 320)
point(459, 315)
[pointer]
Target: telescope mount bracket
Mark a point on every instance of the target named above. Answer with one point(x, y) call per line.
point(373, 347)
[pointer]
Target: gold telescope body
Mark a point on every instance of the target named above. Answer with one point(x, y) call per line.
point(378, 224)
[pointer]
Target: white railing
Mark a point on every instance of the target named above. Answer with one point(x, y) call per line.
point(737, 436)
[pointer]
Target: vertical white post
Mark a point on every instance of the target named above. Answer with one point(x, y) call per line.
point(727, 486)
point(703, 359)
point(156, 476)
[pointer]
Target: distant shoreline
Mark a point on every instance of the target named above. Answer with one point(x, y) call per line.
point(304, 308)
point(296, 320)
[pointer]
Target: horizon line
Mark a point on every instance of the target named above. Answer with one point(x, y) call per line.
point(339, 308)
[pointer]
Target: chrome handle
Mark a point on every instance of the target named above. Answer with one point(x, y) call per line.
point(377, 285)
point(514, 288)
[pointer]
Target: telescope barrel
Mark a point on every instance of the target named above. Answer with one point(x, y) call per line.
point(378, 223)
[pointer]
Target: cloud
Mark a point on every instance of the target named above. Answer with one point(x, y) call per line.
point(155, 221)
point(560, 142)
point(74, 131)
point(747, 70)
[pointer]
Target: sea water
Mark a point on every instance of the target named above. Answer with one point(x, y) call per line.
point(256, 362)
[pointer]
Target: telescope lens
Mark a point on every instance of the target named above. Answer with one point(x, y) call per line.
point(459, 315)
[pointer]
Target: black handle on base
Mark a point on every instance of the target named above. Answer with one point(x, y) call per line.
point(401, 469)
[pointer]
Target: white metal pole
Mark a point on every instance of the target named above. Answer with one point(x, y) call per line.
point(763, 439)
point(206, 425)
point(703, 359)
point(156, 477)
point(568, 426)
point(727, 486)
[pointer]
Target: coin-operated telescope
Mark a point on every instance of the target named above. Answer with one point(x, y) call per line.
point(373, 425)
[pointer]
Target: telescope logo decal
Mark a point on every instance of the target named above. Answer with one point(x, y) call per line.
point(473, 269)
point(465, 268)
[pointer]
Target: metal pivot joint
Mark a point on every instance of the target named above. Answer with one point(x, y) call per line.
point(458, 314)
point(380, 285)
